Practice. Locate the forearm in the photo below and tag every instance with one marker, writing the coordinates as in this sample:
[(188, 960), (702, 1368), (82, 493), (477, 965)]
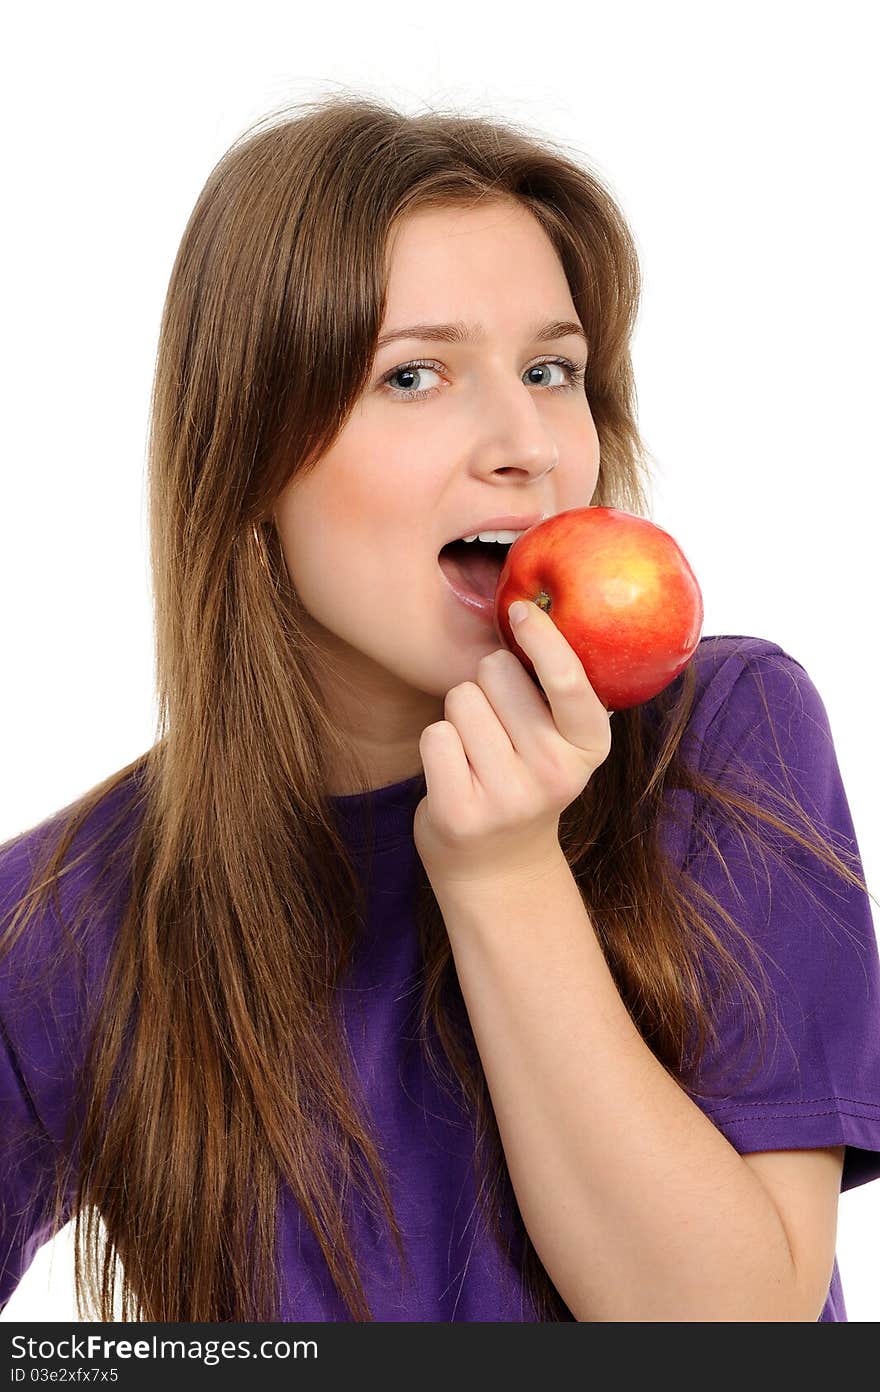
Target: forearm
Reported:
[(638, 1207)]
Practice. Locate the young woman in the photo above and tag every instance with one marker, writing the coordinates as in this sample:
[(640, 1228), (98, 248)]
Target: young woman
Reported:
[(383, 986)]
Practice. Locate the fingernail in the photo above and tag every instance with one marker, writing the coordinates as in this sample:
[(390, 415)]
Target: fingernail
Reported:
[(518, 611)]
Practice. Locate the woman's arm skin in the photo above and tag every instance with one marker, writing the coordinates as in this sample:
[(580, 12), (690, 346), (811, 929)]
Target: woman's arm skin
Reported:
[(639, 1208)]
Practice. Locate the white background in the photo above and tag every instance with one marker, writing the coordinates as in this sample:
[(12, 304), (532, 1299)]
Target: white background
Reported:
[(740, 141)]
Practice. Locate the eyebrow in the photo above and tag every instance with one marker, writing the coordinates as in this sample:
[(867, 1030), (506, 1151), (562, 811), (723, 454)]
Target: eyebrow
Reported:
[(459, 332)]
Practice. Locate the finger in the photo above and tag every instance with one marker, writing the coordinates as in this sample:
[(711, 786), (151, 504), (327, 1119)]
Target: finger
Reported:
[(518, 703), (484, 738), (448, 778), (579, 715)]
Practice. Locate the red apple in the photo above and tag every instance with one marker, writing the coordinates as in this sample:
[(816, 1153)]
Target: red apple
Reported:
[(620, 591)]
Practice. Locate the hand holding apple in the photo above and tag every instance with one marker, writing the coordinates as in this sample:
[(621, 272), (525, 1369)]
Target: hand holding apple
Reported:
[(618, 588)]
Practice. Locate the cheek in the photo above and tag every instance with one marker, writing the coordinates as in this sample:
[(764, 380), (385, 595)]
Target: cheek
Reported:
[(354, 546), (590, 438), (354, 579), (589, 452)]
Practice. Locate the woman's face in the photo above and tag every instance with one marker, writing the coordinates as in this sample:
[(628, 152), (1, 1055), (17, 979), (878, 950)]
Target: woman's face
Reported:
[(484, 435)]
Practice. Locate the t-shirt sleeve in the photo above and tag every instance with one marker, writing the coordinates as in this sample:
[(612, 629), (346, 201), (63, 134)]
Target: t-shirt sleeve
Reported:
[(817, 1082), (27, 1173), (33, 1091), (51, 997)]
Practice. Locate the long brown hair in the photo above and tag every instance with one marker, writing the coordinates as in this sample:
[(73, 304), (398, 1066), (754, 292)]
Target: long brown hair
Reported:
[(216, 1063)]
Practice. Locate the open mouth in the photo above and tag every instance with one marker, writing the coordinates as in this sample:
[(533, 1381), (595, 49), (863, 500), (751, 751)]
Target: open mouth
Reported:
[(473, 567)]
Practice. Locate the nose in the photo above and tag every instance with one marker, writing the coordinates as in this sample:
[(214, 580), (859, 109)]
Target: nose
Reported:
[(513, 438)]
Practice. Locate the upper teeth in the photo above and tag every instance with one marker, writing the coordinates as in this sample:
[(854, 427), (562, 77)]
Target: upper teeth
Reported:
[(505, 537)]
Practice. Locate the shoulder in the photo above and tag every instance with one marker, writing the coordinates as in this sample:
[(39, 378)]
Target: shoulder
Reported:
[(752, 697), (97, 844), (756, 721), (55, 935), (55, 947), (733, 668)]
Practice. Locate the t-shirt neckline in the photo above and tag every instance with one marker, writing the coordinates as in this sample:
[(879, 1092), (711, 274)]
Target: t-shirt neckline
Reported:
[(393, 807)]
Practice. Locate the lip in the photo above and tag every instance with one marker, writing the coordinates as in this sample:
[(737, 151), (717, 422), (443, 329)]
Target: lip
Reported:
[(484, 608), (508, 523)]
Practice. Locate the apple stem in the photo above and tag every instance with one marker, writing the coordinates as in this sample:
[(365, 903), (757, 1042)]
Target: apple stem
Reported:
[(543, 601)]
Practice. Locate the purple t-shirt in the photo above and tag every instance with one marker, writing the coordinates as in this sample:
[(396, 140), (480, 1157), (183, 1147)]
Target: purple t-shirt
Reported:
[(819, 1085)]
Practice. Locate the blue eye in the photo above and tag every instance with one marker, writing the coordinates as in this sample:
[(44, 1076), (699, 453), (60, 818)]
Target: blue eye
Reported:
[(413, 369), (576, 377)]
